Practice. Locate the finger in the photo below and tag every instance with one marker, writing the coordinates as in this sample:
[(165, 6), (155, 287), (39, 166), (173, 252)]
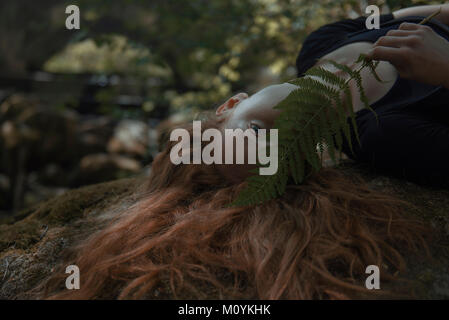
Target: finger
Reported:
[(409, 26), (399, 33), (392, 55), (393, 42), (388, 42)]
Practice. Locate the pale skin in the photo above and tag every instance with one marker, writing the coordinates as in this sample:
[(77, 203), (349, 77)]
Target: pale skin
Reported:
[(416, 52), (245, 112), (412, 51)]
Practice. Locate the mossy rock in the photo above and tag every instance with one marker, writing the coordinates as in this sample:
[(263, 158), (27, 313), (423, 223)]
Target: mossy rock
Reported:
[(33, 242)]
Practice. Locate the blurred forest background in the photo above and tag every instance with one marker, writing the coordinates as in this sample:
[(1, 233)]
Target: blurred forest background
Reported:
[(85, 106)]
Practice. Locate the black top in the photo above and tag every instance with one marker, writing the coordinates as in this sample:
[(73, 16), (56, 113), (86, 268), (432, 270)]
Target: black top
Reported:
[(335, 35), (409, 133), (332, 36)]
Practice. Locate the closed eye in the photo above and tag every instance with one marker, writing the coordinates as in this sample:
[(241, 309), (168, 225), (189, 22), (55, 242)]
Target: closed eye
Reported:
[(255, 127)]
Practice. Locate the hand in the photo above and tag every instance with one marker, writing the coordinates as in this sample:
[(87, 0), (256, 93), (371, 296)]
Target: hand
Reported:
[(417, 52)]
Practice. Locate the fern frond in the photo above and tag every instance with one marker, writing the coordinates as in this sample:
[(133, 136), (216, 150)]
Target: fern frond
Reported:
[(313, 116)]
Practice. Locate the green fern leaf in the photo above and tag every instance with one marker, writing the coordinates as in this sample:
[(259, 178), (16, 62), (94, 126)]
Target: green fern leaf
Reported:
[(313, 116)]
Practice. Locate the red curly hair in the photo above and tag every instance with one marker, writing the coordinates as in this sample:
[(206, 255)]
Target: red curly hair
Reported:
[(182, 239)]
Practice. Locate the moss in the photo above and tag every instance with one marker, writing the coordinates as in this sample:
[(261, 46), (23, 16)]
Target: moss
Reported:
[(21, 235), (27, 228), (431, 203), (77, 203), (32, 250), (18, 216)]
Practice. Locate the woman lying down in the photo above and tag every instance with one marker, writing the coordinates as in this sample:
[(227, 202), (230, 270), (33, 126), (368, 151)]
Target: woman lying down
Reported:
[(182, 239)]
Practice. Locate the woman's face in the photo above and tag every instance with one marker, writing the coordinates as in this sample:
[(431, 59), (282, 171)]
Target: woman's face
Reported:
[(250, 112), (256, 111)]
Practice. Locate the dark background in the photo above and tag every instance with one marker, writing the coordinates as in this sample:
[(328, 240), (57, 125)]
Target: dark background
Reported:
[(84, 106)]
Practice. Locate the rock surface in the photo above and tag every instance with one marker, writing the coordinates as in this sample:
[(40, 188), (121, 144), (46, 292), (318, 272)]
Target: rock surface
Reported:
[(32, 242)]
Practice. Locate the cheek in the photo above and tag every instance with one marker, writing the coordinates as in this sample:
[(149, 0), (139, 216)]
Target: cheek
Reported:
[(239, 146), (234, 172), (271, 115), (235, 121)]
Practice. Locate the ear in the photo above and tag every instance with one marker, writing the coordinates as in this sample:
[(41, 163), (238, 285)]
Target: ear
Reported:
[(230, 103)]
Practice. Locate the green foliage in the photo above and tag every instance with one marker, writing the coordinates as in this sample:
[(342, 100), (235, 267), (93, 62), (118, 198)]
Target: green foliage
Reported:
[(186, 55), (312, 117)]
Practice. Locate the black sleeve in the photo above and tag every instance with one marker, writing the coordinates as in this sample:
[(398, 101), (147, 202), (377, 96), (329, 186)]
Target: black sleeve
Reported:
[(410, 144), (319, 41)]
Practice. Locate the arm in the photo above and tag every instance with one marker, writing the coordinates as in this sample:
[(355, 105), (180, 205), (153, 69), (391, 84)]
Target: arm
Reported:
[(425, 11)]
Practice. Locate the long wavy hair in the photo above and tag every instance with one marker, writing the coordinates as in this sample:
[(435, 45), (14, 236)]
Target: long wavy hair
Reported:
[(183, 240)]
